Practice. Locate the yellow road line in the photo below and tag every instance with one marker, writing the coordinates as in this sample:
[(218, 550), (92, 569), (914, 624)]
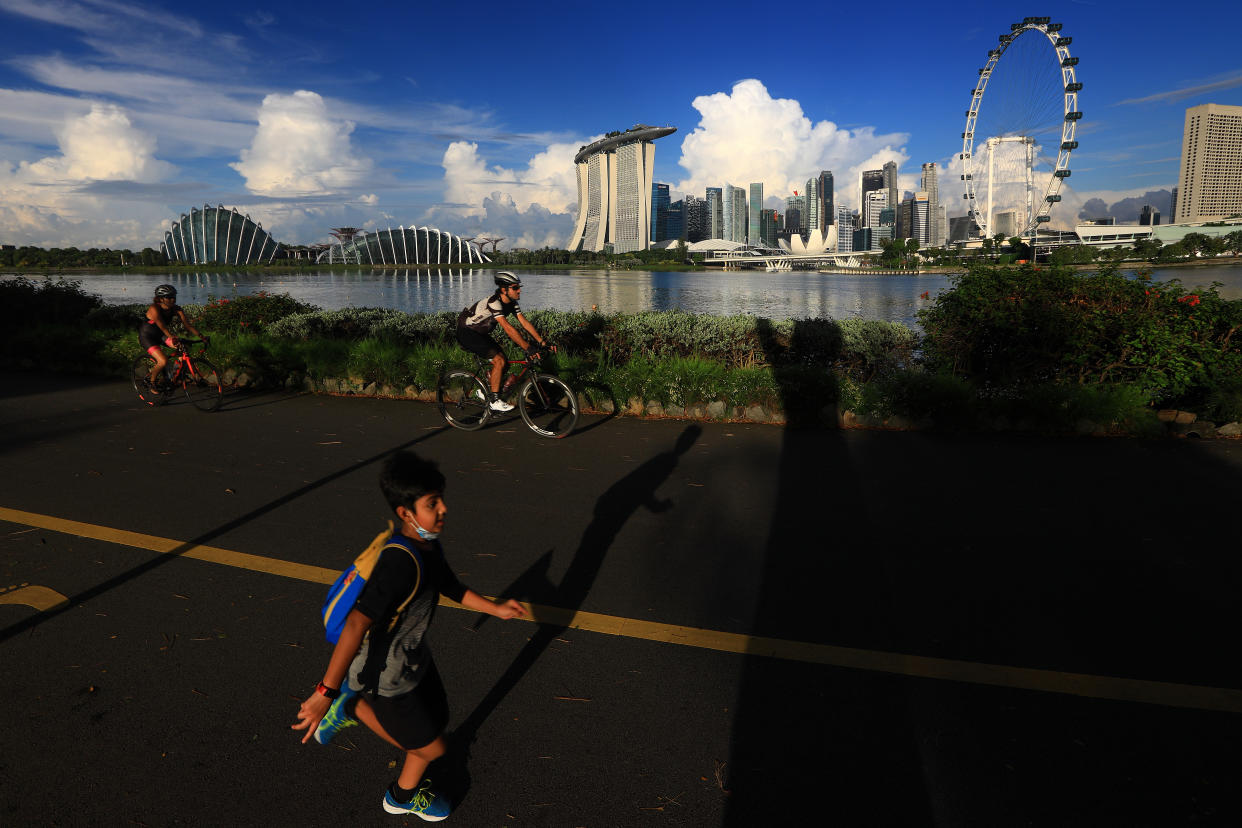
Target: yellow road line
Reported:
[(996, 675)]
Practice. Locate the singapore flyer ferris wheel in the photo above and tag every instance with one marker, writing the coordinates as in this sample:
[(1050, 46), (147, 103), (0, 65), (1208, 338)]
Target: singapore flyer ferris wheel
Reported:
[(1016, 147)]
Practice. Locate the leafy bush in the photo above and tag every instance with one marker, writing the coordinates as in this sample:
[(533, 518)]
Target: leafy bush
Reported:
[(870, 347), (1006, 328), (362, 323), (25, 302), (116, 317), (253, 312), (915, 394)]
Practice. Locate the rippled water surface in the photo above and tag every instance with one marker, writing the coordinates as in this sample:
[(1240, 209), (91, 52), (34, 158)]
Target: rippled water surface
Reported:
[(800, 294)]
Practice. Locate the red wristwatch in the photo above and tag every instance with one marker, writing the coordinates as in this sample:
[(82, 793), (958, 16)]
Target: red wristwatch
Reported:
[(324, 690)]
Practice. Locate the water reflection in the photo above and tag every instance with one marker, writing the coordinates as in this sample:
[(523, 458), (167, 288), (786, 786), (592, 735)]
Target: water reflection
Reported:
[(796, 295)]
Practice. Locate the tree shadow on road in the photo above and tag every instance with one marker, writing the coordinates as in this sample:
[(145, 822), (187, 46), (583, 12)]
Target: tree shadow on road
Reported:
[(561, 601), (1074, 554), (83, 597)]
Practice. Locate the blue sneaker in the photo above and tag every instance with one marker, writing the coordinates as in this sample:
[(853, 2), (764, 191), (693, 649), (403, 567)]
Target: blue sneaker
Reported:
[(336, 719), (426, 804)]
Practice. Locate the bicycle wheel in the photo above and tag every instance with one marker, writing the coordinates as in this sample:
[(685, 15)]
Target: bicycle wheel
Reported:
[(548, 405), (202, 385), (139, 374), (463, 400)]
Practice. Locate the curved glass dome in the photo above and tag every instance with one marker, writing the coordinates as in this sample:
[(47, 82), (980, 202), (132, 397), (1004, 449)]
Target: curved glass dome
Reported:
[(214, 234), (404, 245)]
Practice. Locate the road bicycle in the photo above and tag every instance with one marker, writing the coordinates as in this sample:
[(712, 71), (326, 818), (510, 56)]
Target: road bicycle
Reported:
[(545, 401), (192, 373)]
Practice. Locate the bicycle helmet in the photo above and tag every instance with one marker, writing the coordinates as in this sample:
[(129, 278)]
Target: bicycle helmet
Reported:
[(506, 279), (165, 290)]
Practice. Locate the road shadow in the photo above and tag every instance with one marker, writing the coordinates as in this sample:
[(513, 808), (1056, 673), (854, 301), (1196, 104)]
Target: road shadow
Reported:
[(561, 601), (1069, 555), (82, 598)]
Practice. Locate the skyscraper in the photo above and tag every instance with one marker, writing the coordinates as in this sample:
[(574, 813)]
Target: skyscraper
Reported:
[(659, 208), (930, 186), (754, 235), (796, 205), (734, 214), (715, 213), (1210, 185), (695, 212), (1149, 216), (868, 182), (922, 218), (812, 215), (614, 190), (890, 182), (827, 210), (768, 222), (675, 221), (877, 201), (844, 227)]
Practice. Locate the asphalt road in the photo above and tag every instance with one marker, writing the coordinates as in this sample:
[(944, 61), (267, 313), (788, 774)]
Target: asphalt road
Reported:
[(875, 628)]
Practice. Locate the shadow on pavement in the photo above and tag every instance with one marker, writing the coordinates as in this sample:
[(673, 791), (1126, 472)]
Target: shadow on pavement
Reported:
[(613, 508), (1074, 555), (77, 600)]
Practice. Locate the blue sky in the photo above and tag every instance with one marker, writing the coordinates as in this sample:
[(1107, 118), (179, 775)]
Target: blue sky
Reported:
[(117, 116)]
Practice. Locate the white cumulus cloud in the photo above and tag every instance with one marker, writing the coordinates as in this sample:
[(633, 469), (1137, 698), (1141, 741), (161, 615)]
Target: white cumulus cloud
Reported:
[(548, 180), (746, 136), (101, 145), (300, 149), (42, 203)]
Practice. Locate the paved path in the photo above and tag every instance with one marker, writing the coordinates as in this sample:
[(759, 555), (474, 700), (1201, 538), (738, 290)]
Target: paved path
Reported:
[(738, 623)]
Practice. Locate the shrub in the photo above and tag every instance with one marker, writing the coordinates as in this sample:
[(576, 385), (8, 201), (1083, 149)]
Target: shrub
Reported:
[(917, 395), (253, 312), (24, 301), (1007, 328), (116, 317)]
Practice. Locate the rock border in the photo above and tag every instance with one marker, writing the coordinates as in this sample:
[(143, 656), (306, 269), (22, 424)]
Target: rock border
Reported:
[(1177, 423)]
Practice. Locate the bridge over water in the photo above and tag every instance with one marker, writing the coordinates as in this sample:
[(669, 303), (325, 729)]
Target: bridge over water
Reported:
[(752, 259)]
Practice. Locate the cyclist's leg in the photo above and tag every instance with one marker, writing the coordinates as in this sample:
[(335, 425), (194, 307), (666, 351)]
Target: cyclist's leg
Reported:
[(484, 347), (157, 354), (498, 371)]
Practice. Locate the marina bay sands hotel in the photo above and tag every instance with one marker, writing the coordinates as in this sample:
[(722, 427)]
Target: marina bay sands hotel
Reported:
[(615, 175)]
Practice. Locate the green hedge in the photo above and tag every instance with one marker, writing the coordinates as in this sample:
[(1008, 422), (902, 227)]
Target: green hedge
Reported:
[(1045, 347)]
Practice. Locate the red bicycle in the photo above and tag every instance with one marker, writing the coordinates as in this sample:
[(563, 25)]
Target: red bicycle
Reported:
[(192, 373)]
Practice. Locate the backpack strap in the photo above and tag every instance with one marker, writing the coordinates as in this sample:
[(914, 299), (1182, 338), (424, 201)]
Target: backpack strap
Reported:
[(396, 541)]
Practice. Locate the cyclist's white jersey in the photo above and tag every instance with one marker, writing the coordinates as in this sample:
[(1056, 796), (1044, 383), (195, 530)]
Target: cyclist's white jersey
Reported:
[(482, 315)]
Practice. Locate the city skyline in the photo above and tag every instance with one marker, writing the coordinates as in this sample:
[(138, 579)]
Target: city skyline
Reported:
[(115, 119)]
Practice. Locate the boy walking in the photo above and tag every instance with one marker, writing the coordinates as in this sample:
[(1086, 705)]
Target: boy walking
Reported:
[(381, 672)]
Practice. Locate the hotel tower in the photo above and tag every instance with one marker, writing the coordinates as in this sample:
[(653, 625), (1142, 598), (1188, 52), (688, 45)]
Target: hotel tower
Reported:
[(614, 190), (1210, 185)]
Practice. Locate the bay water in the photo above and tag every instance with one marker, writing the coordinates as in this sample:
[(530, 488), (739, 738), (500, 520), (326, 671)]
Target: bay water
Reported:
[(793, 295)]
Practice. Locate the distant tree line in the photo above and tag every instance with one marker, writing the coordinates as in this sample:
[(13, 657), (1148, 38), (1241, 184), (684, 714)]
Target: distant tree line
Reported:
[(12, 256), (556, 256)]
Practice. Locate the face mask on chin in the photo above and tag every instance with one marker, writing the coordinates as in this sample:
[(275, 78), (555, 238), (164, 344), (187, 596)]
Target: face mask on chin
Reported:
[(423, 533)]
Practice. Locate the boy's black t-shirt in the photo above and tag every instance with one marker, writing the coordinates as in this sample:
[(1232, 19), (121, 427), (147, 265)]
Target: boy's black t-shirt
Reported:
[(392, 662)]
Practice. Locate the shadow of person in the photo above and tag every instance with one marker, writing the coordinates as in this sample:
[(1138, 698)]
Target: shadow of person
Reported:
[(556, 604)]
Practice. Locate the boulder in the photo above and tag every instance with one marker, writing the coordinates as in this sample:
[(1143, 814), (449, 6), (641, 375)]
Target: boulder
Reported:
[(1201, 429)]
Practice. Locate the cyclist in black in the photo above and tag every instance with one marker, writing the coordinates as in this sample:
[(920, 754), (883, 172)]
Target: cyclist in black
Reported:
[(154, 331), (476, 323)]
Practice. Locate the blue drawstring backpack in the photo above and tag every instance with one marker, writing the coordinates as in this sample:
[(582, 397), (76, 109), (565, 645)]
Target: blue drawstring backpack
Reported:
[(344, 592)]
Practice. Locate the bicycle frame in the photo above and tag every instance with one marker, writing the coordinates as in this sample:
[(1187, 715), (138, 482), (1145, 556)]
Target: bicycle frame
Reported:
[(185, 362)]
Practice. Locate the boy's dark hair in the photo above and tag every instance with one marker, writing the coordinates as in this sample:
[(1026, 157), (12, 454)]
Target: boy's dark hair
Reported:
[(406, 477)]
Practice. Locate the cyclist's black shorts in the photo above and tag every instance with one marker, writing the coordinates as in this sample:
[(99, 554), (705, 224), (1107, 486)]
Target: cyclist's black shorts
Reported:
[(476, 343), (149, 336)]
